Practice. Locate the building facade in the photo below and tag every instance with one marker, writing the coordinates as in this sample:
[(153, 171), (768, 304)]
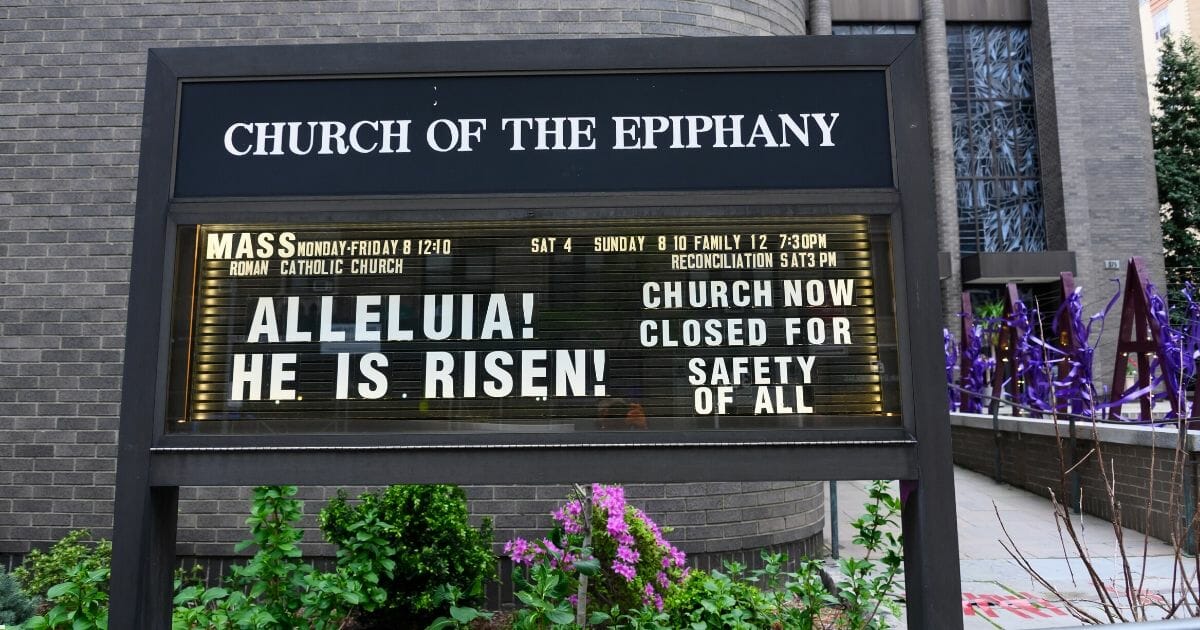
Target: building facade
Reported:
[(1161, 19), (1048, 155)]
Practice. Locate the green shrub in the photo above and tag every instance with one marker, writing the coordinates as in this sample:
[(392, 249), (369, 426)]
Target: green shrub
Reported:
[(544, 591), (15, 606), (80, 602), (416, 539), (42, 570), (275, 589), (717, 600)]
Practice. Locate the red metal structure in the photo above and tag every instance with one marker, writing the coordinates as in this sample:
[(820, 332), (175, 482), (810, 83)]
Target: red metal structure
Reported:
[(1006, 355), (1138, 335)]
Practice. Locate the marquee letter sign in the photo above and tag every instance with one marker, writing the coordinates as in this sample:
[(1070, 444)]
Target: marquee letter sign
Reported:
[(539, 326)]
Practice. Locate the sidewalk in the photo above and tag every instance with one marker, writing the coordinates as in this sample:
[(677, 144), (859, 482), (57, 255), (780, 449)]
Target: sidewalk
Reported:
[(997, 592)]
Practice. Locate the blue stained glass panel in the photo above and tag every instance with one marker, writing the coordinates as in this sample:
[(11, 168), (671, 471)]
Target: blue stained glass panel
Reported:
[(994, 127), (995, 138)]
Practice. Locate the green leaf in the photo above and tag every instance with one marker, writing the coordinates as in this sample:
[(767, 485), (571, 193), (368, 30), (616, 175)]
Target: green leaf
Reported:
[(588, 567), (58, 590), (463, 615), (186, 595), (599, 617), (562, 617), (213, 593), (57, 616)]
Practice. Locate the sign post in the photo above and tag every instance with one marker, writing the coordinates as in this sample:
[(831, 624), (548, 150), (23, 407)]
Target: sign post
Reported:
[(532, 262)]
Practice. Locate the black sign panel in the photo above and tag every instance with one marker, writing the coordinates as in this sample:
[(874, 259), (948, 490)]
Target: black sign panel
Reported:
[(535, 134), (626, 341), (687, 324)]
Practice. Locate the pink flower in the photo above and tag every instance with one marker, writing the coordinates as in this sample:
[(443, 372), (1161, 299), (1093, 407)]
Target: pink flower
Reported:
[(624, 570), (520, 551), (677, 557), (568, 517)]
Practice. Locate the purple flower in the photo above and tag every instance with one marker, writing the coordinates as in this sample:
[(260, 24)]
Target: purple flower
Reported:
[(612, 519), (674, 557), (520, 551), (624, 570), (568, 517)]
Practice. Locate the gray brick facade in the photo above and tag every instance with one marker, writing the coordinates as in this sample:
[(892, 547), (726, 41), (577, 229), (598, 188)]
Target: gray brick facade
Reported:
[(1094, 136), (71, 78)]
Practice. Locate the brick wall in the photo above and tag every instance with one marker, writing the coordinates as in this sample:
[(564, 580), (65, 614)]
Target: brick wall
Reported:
[(1145, 490), (71, 78), (1095, 149), (711, 521)]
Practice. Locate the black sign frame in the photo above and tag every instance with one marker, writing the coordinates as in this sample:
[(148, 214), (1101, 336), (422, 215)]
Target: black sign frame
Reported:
[(152, 464)]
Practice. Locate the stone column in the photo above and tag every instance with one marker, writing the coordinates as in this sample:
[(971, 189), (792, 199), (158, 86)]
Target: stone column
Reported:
[(820, 21), (937, 78)]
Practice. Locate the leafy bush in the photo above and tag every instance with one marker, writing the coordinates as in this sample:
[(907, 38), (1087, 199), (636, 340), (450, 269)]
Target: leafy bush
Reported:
[(867, 587), (416, 539), (80, 602), (545, 592), (797, 599), (42, 570), (779, 599), (460, 616), (15, 606), (717, 600), (275, 588)]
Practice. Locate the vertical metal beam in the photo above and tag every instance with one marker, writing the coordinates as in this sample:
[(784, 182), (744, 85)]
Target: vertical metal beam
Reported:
[(929, 519), (158, 563), (997, 442), (834, 522), (966, 327), (144, 518)]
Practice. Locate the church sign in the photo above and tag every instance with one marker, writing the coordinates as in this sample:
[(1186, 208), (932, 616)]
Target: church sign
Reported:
[(531, 262)]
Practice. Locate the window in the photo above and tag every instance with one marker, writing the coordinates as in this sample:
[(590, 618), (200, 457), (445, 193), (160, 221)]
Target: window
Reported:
[(875, 29), (995, 133), (1162, 24), (995, 139)]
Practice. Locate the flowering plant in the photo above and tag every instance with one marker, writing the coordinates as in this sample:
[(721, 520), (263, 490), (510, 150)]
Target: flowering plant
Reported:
[(601, 537)]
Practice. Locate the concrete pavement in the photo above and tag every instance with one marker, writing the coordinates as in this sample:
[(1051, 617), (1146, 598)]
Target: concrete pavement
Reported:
[(997, 591)]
